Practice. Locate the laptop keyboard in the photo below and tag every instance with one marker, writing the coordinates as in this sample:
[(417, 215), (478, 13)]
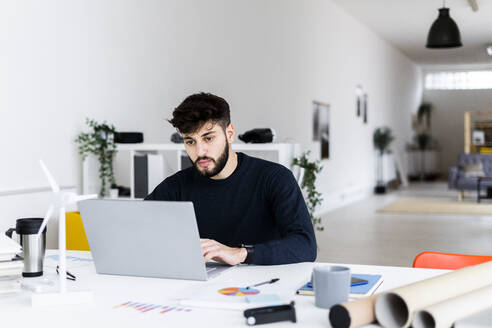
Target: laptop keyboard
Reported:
[(214, 269)]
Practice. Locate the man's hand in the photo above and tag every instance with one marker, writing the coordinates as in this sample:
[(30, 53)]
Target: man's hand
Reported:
[(213, 250)]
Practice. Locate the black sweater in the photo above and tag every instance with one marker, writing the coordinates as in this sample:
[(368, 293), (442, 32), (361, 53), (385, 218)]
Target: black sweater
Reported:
[(259, 204)]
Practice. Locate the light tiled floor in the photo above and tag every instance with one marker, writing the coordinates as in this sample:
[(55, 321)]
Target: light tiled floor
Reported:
[(357, 234)]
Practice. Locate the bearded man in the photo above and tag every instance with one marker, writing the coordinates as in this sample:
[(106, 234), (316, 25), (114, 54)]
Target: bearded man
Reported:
[(248, 210)]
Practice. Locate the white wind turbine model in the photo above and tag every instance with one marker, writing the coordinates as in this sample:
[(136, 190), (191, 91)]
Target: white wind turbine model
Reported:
[(60, 200)]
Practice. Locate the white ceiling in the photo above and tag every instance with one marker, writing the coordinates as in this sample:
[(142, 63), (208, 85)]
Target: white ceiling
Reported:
[(405, 24)]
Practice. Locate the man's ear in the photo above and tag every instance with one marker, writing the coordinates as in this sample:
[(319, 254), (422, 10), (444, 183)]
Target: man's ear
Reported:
[(230, 133)]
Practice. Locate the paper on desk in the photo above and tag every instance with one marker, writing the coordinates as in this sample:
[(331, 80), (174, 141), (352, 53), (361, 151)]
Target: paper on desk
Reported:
[(207, 295), (396, 307), (444, 314), (9, 246), (72, 261)]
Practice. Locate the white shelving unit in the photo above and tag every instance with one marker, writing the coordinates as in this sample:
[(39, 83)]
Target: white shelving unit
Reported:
[(282, 153)]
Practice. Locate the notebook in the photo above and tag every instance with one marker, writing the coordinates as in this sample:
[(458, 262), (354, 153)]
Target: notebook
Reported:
[(373, 282)]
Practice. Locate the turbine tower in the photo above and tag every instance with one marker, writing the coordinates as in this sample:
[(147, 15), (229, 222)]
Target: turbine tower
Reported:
[(60, 200)]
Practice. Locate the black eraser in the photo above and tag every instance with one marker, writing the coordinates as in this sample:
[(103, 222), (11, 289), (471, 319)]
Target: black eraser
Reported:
[(269, 314)]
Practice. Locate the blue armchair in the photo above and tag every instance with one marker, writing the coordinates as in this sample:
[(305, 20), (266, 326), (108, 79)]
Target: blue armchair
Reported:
[(465, 175)]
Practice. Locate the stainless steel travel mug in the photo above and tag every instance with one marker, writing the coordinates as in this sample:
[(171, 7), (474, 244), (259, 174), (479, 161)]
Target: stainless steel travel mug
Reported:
[(33, 246)]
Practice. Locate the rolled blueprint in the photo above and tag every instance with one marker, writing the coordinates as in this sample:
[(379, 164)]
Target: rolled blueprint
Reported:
[(444, 314), (396, 307), (353, 314)]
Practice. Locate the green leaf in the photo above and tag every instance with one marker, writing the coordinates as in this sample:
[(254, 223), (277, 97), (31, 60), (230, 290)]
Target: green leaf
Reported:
[(314, 199), (99, 142)]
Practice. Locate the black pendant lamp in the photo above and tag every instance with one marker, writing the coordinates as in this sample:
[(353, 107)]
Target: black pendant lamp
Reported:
[(444, 33)]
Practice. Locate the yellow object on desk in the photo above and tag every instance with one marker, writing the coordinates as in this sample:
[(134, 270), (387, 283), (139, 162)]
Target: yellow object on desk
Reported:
[(76, 238)]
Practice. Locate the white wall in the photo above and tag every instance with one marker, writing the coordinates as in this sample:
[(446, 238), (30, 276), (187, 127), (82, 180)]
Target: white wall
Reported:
[(449, 107), (131, 62), (344, 53)]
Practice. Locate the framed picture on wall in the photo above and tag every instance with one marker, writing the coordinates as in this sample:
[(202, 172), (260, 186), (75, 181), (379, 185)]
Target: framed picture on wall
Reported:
[(321, 127), (478, 137), (316, 132), (359, 99), (365, 108)]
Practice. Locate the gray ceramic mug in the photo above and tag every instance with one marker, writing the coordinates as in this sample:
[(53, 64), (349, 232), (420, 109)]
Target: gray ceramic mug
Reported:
[(331, 285)]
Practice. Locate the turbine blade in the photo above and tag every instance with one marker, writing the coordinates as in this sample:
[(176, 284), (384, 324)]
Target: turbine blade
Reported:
[(50, 178), (45, 220), (84, 197)]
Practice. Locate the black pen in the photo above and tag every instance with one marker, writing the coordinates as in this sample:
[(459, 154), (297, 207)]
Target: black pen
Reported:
[(264, 283), (69, 275)]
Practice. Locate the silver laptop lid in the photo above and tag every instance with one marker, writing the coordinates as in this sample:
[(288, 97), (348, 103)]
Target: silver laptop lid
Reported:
[(144, 238)]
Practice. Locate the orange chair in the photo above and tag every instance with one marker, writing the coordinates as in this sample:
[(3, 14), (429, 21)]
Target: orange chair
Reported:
[(435, 260)]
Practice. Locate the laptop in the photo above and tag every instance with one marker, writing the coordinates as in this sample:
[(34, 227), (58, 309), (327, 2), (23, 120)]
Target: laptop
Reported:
[(146, 238)]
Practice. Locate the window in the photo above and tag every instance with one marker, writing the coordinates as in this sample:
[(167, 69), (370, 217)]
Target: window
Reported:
[(466, 80)]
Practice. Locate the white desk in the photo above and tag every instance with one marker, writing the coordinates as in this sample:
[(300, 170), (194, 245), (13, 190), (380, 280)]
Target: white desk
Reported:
[(113, 290)]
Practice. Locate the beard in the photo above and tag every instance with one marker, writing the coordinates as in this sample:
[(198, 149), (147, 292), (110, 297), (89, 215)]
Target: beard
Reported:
[(219, 163)]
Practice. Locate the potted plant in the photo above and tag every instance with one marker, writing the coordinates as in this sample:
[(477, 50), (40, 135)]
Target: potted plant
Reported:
[(114, 191), (313, 198), (423, 137), (382, 138), (100, 142), (424, 113), (423, 141)]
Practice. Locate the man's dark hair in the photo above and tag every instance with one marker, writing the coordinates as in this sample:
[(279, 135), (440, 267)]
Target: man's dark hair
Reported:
[(199, 108)]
